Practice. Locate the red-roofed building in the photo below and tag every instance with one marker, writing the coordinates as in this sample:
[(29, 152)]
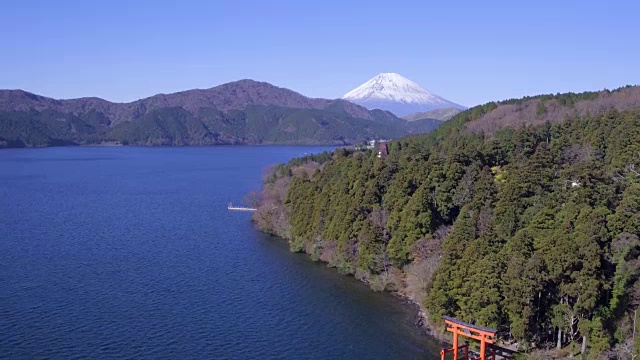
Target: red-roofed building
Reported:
[(383, 151)]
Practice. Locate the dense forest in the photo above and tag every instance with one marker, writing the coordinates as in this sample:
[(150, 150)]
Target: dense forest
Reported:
[(532, 230)]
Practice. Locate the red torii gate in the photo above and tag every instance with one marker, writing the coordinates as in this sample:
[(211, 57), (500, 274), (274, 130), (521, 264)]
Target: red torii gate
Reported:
[(483, 334)]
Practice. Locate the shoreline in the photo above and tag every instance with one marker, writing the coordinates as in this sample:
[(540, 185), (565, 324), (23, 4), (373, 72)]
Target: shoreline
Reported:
[(119, 144), (420, 320)]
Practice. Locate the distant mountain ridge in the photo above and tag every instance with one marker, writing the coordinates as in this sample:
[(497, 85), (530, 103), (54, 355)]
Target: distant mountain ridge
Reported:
[(241, 112), (393, 92), (437, 114), (230, 96)]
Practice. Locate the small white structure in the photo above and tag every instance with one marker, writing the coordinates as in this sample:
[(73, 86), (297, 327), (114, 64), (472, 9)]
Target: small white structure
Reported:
[(240, 208), (572, 183)]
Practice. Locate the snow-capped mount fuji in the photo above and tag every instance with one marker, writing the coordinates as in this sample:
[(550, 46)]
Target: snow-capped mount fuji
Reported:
[(396, 93)]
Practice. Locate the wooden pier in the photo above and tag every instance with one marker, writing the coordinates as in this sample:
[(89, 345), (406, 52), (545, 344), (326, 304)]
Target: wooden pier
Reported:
[(239, 208)]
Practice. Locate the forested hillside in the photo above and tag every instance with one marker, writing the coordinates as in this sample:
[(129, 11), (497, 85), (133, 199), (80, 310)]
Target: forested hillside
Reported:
[(242, 112), (532, 230)]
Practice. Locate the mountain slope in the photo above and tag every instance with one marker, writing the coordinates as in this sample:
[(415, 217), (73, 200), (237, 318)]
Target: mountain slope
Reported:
[(231, 96), (241, 112), (423, 126), (438, 114), (538, 110), (395, 93)]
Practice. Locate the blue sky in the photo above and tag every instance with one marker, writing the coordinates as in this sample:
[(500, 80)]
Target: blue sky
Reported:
[(469, 52)]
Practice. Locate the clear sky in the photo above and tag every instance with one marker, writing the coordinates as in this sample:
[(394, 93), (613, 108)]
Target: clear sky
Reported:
[(469, 52)]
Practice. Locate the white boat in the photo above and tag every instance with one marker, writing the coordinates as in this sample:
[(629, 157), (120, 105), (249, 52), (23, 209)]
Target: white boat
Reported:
[(240, 208)]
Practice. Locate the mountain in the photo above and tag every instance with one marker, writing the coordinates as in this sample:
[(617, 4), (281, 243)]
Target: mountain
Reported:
[(438, 114), (422, 126), (241, 112), (393, 92)]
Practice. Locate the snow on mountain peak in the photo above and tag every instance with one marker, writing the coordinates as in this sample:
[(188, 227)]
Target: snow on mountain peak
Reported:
[(396, 93), (393, 87)]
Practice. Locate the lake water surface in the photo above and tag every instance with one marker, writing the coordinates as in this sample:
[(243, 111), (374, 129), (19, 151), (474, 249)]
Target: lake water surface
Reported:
[(130, 252)]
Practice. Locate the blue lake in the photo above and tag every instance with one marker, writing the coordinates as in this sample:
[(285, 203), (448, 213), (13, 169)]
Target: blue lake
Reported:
[(129, 252)]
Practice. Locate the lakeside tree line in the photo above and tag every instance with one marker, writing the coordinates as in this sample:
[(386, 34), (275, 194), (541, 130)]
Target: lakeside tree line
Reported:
[(533, 231)]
